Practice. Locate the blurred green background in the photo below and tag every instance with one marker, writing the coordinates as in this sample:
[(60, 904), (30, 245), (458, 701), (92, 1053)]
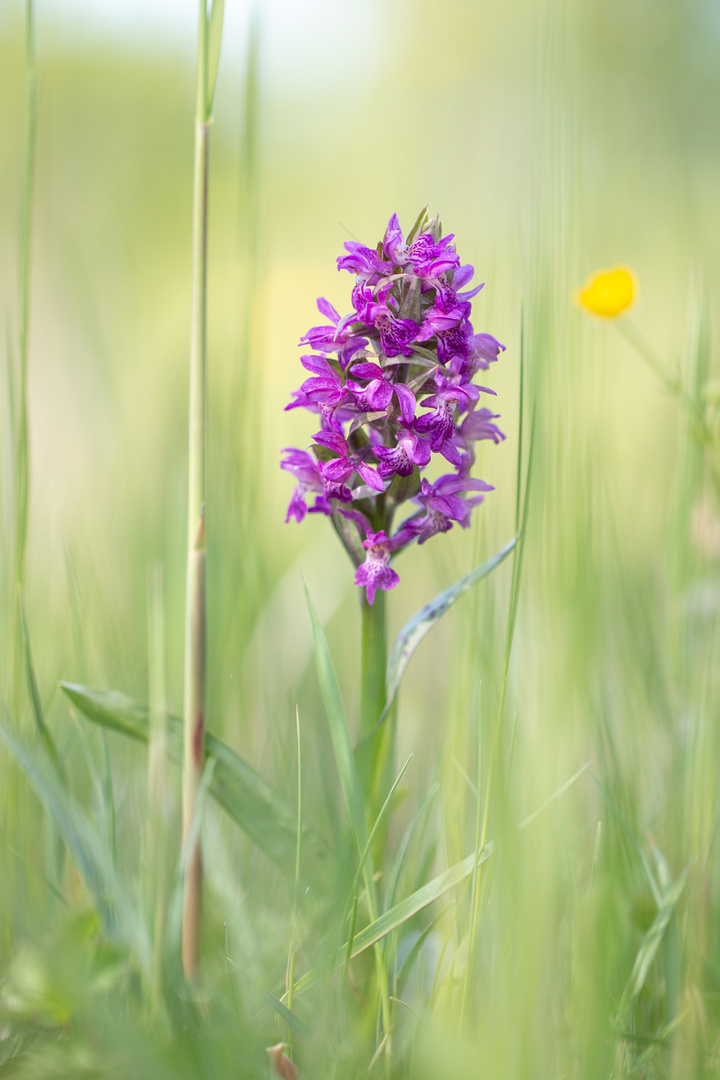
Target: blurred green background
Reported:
[(556, 137)]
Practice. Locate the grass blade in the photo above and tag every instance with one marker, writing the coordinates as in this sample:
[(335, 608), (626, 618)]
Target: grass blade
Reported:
[(350, 783), (366, 851), (339, 732), (405, 910), (416, 628), (113, 902), (651, 942), (422, 898), (290, 1018), (256, 806), (33, 692), (214, 41)]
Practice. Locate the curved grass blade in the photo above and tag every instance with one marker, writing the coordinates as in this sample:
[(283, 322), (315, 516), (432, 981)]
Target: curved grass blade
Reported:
[(290, 1018), (365, 852), (415, 903), (405, 910), (257, 807), (33, 692), (416, 628), (651, 942), (114, 904)]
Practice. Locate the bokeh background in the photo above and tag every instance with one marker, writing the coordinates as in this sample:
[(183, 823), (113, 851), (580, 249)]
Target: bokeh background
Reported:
[(556, 137)]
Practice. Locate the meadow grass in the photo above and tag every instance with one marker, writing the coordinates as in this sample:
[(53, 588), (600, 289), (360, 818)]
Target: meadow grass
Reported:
[(538, 893)]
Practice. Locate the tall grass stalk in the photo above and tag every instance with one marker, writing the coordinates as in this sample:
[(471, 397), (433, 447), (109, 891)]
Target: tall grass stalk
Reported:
[(156, 875), (521, 511), (20, 406), (196, 598), (298, 852)]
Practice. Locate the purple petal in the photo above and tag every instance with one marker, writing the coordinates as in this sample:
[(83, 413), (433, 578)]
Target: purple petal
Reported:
[(374, 575), (333, 441), (297, 508), (370, 476), (407, 401), (367, 371), (378, 394), (462, 276), (326, 308), (318, 364)]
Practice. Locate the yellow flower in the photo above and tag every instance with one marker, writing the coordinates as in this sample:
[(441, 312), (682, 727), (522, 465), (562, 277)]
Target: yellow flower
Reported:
[(609, 292)]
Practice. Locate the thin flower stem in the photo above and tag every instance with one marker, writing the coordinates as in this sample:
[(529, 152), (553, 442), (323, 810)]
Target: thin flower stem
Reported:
[(691, 403), (21, 428), (195, 610)]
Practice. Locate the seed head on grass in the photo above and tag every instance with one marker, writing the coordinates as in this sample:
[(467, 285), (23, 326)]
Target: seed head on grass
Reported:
[(408, 345)]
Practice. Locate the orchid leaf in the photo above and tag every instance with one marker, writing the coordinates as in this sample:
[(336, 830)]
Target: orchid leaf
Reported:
[(258, 808), (416, 628)]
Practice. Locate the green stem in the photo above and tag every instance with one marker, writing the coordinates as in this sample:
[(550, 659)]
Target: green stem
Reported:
[(375, 762), (373, 660), (195, 610), (377, 744), (21, 432)]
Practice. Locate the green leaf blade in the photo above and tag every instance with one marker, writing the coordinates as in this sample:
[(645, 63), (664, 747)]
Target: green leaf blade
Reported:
[(113, 902), (260, 810), (420, 625)]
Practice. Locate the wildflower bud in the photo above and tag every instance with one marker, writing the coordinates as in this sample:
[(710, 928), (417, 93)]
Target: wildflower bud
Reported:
[(284, 1067), (392, 385)]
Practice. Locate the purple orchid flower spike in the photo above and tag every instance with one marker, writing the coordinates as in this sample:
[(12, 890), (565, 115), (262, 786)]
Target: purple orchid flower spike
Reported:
[(407, 347)]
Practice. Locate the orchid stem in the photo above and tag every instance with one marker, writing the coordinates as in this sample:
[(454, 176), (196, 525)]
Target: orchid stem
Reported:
[(195, 609), (376, 753)]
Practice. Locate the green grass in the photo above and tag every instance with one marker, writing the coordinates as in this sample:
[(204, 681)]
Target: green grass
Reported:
[(541, 897)]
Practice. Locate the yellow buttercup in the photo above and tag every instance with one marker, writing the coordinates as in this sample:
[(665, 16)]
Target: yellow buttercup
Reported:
[(609, 292)]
